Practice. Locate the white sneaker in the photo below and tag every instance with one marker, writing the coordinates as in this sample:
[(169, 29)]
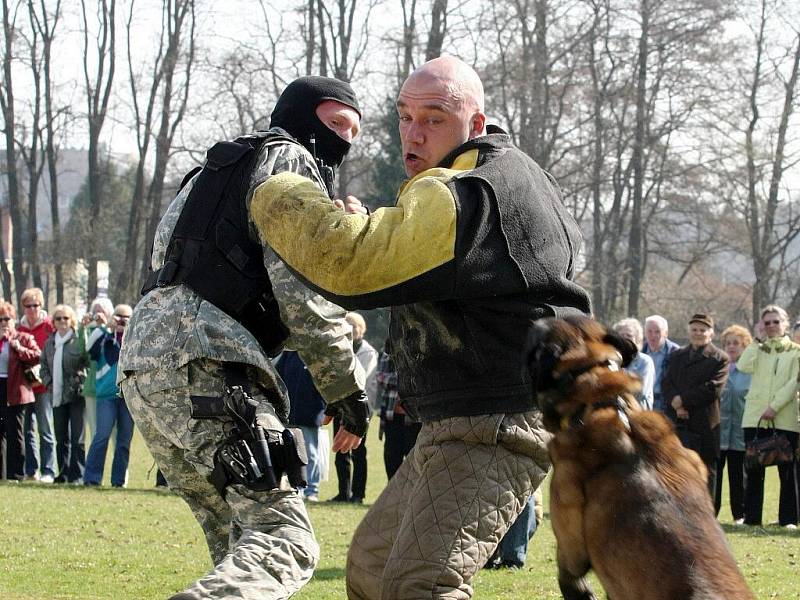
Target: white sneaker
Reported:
[(312, 498), (46, 479), (790, 526), (739, 522)]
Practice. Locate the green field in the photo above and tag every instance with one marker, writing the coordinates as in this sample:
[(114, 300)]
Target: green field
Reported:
[(62, 542)]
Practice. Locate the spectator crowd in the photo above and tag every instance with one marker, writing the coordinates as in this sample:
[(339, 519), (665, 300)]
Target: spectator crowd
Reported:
[(721, 398), (58, 391)]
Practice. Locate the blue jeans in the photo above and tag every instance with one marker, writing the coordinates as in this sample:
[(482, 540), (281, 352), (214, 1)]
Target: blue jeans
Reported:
[(513, 547), (313, 475), (109, 413), (40, 414)]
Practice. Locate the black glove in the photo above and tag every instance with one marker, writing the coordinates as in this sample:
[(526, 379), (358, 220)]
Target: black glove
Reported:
[(353, 411)]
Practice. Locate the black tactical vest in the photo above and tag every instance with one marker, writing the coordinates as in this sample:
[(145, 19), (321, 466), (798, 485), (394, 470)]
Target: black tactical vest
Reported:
[(211, 251)]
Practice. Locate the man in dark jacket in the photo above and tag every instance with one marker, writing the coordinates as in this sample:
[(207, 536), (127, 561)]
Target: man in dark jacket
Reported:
[(478, 246), (692, 386)]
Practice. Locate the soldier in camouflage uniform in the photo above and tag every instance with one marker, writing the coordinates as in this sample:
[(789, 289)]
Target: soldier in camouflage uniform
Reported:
[(178, 345)]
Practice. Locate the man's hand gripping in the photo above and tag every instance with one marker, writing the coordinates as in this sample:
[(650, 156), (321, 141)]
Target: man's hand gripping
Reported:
[(354, 413)]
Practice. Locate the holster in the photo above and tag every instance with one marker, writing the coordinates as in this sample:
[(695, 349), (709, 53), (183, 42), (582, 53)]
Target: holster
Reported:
[(251, 455)]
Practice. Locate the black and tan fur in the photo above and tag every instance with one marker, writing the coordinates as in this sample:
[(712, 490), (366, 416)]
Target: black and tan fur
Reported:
[(627, 500)]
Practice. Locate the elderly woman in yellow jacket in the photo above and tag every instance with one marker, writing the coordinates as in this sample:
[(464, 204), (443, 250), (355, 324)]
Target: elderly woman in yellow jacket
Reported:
[(772, 400)]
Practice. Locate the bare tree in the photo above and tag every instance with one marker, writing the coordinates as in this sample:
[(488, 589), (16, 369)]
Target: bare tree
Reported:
[(11, 166), (157, 117), (32, 151), (769, 239), (45, 21), (438, 29), (342, 44), (180, 32), (98, 86), (532, 73)]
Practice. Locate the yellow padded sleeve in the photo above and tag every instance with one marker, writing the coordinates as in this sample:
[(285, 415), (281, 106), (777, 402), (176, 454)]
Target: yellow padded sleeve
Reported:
[(351, 255)]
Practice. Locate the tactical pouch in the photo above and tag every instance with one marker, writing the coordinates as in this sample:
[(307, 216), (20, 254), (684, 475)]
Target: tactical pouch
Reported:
[(289, 456)]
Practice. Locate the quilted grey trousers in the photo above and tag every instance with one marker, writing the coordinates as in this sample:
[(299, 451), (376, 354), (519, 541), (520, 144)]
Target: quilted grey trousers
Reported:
[(445, 510), (261, 543)]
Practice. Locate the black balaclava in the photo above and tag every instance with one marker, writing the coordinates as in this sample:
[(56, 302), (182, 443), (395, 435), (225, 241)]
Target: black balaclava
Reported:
[(295, 112)]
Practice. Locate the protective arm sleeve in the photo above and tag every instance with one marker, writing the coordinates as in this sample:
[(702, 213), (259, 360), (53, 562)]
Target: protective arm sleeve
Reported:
[(397, 253)]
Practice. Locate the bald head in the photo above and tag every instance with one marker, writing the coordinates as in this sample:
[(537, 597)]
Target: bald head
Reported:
[(440, 107), (453, 75)]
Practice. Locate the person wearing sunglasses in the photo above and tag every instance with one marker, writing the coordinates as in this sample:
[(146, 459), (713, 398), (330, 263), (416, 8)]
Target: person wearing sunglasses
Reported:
[(40, 460), (18, 351), (63, 370), (774, 362), (104, 348)]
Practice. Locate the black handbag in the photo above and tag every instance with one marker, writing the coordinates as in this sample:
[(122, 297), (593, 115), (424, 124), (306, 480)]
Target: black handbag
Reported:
[(33, 374), (768, 450)]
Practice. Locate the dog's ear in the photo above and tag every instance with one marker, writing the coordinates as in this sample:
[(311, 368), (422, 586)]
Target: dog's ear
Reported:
[(543, 354), (625, 347)]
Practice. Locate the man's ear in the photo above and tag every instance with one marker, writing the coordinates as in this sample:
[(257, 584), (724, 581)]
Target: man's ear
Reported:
[(477, 125)]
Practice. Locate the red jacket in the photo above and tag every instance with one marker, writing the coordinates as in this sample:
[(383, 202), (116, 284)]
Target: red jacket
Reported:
[(20, 356), (40, 332)]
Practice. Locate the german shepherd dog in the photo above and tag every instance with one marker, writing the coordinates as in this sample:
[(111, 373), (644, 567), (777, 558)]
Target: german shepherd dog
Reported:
[(627, 499)]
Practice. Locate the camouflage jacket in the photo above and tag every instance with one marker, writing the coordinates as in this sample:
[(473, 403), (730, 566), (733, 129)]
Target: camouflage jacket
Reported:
[(172, 325)]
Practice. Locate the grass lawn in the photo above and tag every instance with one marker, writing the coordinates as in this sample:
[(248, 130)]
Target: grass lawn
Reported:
[(61, 542)]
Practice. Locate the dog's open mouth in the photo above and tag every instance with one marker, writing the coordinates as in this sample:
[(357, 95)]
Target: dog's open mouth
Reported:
[(576, 364)]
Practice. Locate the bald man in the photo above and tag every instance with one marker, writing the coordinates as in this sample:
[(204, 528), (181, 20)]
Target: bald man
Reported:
[(478, 246)]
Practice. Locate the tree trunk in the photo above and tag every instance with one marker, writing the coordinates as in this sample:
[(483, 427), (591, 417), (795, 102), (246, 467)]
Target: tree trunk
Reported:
[(760, 267), (597, 261), (12, 174), (171, 116), (47, 31), (635, 237), (438, 29), (98, 94)]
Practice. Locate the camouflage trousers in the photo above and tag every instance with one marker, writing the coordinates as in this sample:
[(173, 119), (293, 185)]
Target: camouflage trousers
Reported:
[(445, 510), (262, 543)]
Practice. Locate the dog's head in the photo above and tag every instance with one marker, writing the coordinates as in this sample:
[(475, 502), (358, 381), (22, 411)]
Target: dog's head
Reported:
[(574, 362)]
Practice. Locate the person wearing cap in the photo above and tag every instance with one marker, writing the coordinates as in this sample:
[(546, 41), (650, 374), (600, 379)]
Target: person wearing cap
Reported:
[(692, 386), (217, 304)]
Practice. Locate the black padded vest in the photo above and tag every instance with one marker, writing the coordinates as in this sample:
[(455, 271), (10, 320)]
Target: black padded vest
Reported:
[(211, 250)]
